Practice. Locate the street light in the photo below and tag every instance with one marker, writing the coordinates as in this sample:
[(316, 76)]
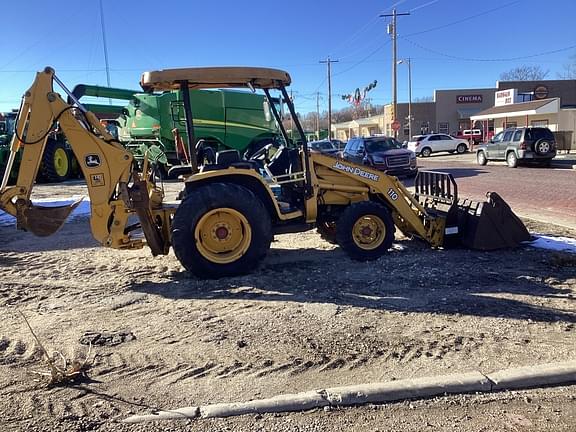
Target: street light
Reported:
[(409, 96)]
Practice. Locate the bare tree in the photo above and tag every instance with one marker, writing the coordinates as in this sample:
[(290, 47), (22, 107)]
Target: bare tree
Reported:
[(524, 73), (423, 99), (569, 69)]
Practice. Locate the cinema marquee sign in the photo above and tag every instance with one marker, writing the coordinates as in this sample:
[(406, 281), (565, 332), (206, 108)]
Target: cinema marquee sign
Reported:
[(468, 98)]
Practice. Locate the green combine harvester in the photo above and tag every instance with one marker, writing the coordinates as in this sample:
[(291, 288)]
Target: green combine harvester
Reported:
[(155, 122)]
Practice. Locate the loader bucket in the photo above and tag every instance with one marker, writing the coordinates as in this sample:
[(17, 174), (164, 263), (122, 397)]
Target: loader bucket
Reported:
[(486, 225), (490, 225), (43, 221)]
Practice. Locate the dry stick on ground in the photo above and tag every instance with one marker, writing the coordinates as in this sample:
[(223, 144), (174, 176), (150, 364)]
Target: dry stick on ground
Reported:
[(57, 374)]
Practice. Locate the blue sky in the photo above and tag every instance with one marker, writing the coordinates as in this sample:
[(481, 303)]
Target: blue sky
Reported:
[(452, 44)]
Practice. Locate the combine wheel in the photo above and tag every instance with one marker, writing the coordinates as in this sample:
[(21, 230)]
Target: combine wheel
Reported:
[(365, 230), (55, 166), (221, 230)]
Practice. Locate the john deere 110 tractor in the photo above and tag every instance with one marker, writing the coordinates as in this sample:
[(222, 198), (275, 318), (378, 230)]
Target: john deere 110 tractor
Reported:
[(231, 209)]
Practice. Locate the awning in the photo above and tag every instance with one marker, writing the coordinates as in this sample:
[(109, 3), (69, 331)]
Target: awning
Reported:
[(466, 113), (544, 106)]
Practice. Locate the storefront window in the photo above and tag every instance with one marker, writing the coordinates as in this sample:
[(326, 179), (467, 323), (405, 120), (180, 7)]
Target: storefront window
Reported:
[(540, 123), (511, 124), (443, 127)]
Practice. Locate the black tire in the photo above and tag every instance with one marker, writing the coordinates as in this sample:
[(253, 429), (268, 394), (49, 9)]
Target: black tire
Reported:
[(426, 152), (461, 148), (195, 255), (481, 158), (327, 231), (511, 160), (372, 212), (542, 147), (55, 165)]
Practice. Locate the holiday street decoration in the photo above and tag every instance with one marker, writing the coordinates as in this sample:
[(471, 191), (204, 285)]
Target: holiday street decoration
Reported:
[(357, 98)]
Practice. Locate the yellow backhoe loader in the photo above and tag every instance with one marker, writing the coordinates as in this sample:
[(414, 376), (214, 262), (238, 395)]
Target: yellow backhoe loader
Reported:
[(230, 210)]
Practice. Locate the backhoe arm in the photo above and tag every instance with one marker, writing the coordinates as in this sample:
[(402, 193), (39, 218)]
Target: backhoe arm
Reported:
[(106, 165)]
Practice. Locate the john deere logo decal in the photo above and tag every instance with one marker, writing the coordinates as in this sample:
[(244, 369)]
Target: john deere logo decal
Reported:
[(355, 171), (92, 160)]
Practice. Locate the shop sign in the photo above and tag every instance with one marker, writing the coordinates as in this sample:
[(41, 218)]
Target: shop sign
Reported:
[(541, 92), (468, 98), (505, 97)]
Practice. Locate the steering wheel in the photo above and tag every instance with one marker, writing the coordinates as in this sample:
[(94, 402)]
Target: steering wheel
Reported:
[(263, 151)]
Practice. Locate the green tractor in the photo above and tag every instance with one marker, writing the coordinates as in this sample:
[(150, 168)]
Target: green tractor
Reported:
[(58, 163)]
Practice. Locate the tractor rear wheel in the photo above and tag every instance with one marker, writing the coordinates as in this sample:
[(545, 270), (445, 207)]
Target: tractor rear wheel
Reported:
[(55, 166), (365, 230), (220, 230)]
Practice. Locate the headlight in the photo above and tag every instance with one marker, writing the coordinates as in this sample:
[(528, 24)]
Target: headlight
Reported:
[(378, 159)]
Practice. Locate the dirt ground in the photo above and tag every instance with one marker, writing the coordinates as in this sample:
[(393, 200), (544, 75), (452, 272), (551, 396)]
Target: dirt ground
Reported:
[(309, 318)]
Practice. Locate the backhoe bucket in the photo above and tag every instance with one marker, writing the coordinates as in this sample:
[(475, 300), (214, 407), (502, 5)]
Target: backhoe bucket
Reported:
[(486, 225), (490, 225), (43, 221)]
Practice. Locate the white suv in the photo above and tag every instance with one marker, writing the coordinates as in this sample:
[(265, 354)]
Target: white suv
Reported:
[(425, 145)]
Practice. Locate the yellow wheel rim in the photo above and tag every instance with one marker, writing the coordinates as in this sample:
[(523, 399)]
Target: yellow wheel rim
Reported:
[(61, 162), (369, 232), (223, 235)]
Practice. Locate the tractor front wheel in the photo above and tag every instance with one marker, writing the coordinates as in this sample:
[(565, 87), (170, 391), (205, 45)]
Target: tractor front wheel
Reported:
[(221, 230), (365, 230)]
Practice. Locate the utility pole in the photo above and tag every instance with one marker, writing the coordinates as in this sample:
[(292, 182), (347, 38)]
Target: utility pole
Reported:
[(329, 62), (318, 115), (393, 33), (409, 95)]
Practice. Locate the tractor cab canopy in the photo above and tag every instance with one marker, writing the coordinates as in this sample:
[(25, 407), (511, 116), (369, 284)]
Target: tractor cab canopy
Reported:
[(215, 77)]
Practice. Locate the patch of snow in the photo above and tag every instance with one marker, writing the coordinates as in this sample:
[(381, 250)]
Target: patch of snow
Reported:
[(564, 244)]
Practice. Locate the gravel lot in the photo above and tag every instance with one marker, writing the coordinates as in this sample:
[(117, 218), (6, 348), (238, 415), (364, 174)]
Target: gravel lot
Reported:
[(309, 318)]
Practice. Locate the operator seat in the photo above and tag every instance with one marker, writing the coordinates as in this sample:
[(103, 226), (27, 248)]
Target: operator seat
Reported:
[(285, 161), (229, 158)]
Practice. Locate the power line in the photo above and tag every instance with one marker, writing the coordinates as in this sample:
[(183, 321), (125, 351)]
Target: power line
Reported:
[(486, 59), (463, 19)]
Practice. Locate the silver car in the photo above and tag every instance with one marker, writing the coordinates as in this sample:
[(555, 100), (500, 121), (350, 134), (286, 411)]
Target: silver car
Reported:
[(425, 145)]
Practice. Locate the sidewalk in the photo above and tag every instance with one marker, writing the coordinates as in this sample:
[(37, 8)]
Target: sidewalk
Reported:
[(565, 160)]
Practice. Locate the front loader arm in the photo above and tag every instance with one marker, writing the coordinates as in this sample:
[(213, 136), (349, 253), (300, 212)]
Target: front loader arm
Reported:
[(106, 165)]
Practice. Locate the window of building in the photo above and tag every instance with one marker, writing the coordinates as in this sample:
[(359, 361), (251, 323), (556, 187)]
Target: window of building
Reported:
[(424, 128), (511, 125), (540, 123), (406, 129), (525, 97), (443, 127)]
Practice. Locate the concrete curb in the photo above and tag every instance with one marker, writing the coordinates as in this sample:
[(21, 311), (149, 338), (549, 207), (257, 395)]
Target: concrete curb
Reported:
[(514, 378), (543, 375)]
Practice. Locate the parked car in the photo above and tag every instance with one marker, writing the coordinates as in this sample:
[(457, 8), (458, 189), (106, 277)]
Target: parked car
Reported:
[(323, 146), (383, 153), (473, 136), (425, 145), (519, 144)]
